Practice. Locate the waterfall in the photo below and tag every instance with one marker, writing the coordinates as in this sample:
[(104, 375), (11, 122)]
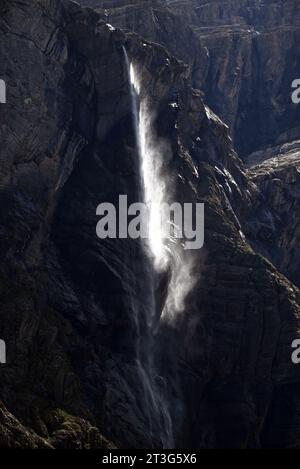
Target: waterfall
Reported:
[(167, 255), (153, 186), (155, 406)]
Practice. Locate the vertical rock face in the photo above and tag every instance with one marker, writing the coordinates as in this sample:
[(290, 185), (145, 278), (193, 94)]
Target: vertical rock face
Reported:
[(67, 96), (276, 234), (82, 359), (253, 61)]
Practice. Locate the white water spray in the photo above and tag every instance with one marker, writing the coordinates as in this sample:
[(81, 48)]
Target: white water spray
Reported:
[(155, 406), (153, 185), (167, 253)]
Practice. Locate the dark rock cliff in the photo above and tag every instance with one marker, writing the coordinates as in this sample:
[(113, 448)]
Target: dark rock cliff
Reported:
[(277, 234), (82, 359)]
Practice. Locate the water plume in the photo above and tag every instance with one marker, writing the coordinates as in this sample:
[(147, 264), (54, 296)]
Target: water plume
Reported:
[(168, 253)]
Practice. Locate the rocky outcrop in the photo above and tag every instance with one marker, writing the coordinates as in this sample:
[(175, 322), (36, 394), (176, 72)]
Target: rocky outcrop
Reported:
[(276, 231), (59, 430), (241, 54), (153, 20), (13, 435), (82, 359)]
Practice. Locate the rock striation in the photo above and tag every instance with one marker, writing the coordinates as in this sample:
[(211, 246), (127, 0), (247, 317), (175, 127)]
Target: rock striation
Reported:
[(84, 367), (277, 233)]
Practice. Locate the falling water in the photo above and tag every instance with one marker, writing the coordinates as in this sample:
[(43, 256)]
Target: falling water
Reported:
[(155, 405), (165, 254), (153, 186)]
